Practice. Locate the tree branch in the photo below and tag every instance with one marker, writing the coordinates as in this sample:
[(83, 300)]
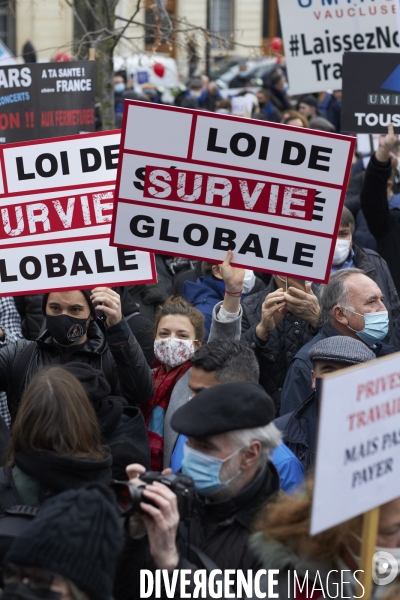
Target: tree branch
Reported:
[(128, 22)]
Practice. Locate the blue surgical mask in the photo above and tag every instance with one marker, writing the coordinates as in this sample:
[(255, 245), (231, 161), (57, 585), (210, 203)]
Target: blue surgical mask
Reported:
[(376, 326), (119, 87), (205, 470)]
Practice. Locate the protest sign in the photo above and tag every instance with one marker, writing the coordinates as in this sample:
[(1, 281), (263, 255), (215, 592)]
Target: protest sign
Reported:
[(270, 192), (57, 189), (56, 200), (42, 100), (317, 32), (41, 268), (358, 449), (371, 103)]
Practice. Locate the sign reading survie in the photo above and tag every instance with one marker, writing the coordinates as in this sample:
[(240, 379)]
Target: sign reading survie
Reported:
[(358, 450), (42, 100), (194, 184), (56, 201), (371, 103), (317, 32)]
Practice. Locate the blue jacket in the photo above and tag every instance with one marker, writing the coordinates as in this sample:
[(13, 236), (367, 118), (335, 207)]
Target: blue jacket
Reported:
[(204, 294), (290, 469), (297, 386)]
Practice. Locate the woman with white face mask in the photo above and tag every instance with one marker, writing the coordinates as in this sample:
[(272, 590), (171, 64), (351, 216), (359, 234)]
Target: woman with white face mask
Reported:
[(179, 332), (337, 550)]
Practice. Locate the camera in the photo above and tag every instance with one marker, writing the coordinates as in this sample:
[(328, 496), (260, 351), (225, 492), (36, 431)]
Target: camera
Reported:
[(130, 495)]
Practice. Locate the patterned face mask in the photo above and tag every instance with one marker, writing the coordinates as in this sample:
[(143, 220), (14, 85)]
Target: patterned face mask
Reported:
[(173, 351)]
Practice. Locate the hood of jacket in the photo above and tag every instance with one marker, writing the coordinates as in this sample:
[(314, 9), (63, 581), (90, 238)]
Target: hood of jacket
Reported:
[(59, 473)]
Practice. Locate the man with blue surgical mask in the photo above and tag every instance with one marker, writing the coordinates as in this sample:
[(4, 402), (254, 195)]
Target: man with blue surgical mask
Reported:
[(349, 255), (230, 439), (351, 305)]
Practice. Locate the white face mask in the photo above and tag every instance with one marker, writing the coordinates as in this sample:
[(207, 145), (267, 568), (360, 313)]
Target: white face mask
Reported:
[(342, 250), (249, 281), (173, 351), (195, 93)]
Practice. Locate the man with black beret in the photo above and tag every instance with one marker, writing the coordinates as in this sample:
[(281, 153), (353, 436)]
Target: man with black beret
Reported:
[(299, 427), (230, 439)]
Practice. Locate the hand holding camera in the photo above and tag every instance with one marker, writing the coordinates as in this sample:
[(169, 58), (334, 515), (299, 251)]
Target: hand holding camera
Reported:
[(152, 499)]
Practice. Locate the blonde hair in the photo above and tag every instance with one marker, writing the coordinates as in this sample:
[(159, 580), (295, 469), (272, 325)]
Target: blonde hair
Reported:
[(288, 521)]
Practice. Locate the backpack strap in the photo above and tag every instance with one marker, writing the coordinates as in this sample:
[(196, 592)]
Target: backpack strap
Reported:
[(18, 376)]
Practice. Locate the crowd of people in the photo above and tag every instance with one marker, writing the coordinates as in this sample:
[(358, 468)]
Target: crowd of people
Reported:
[(172, 427), (267, 99)]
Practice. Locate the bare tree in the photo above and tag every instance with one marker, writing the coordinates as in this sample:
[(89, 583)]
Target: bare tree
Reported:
[(96, 25)]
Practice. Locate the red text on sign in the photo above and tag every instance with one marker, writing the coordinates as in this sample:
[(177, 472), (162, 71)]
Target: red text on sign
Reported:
[(264, 197), (72, 212)]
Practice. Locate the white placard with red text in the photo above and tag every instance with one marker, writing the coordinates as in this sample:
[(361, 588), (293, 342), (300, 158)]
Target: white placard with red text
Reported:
[(195, 184), (60, 192), (358, 450)]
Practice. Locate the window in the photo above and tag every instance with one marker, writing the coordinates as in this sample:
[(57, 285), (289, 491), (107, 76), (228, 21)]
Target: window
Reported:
[(7, 23), (271, 23), (221, 22)]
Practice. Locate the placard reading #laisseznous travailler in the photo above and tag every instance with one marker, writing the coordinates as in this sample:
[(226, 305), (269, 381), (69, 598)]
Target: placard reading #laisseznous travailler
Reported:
[(358, 450), (56, 201), (316, 33), (196, 184)]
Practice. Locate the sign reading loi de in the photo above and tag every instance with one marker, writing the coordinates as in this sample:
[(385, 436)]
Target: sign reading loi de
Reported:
[(196, 184), (56, 199)]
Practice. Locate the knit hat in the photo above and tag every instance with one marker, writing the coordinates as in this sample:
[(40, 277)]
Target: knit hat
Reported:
[(341, 348), (310, 100), (76, 535), (86, 293)]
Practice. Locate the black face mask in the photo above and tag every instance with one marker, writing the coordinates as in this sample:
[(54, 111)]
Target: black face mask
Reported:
[(24, 592), (66, 330)]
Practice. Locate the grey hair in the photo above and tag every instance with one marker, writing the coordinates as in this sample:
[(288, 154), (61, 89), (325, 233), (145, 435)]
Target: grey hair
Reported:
[(335, 293), (269, 437)]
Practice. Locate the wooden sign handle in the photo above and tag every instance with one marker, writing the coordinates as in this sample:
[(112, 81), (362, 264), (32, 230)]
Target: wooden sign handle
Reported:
[(369, 535)]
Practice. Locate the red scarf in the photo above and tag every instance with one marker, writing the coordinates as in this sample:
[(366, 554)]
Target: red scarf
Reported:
[(164, 383)]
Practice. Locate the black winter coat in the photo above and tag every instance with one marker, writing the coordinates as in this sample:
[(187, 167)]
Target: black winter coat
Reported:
[(30, 311), (299, 430), (220, 530), (114, 351), (275, 354), (383, 223)]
